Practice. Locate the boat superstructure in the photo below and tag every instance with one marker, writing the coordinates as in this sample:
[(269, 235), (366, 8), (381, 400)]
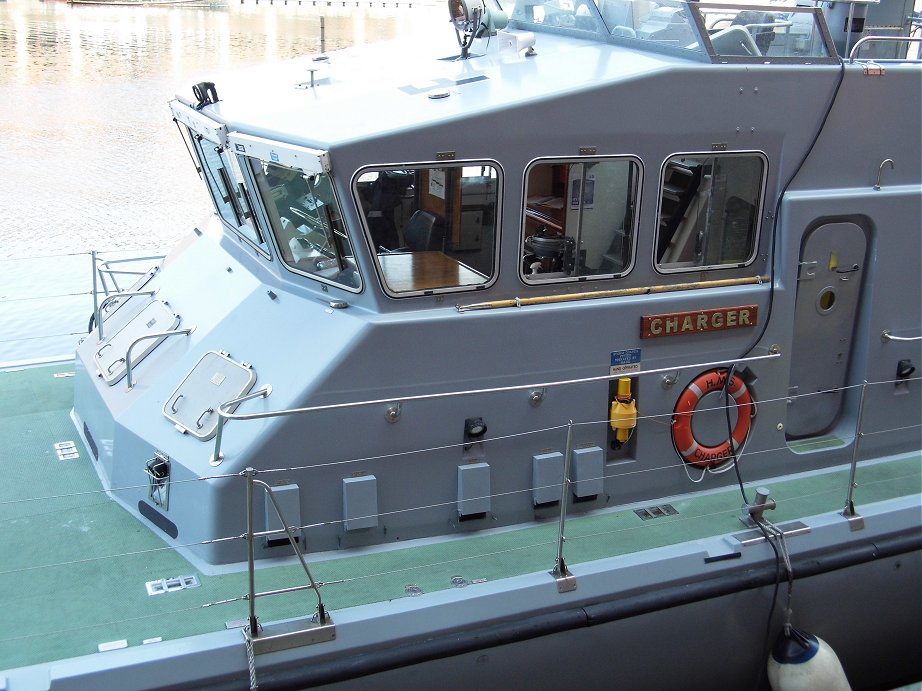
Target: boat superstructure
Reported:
[(642, 276)]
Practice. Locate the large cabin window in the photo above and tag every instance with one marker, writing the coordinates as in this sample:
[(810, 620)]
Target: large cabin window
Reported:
[(709, 212), (579, 219), (306, 222), (230, 194), (432, 227)]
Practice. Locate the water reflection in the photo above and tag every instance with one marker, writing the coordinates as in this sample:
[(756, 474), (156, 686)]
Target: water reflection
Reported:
[(84, 118), (90, 157)]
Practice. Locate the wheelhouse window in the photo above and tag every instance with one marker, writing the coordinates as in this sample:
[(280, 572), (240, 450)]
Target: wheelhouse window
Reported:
[(786, 34), (228, 190), (306, 222), (580, 216), (432, 227), (709, 211)]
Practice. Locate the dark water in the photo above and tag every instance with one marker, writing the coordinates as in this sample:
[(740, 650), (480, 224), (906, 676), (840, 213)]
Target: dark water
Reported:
[(90, 158)]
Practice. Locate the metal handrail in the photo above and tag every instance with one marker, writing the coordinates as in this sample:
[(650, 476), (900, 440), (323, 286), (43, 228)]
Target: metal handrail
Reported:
[(101, 269), (886, 337), (216, 459), (224, 414), (322, 617), (869, 39), (103, 266), (158, 334), (116, 296)]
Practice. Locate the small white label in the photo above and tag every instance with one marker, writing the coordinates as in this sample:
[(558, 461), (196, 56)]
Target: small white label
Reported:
[(112, 645)]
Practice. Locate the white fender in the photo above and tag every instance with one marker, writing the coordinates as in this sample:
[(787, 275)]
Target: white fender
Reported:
[(804, 662)]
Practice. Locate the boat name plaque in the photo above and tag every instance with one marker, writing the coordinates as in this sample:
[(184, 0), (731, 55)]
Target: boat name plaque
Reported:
[(698, 321)]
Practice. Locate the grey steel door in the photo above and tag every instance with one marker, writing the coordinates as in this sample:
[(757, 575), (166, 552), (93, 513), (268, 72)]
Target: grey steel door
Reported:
[(832, 262)]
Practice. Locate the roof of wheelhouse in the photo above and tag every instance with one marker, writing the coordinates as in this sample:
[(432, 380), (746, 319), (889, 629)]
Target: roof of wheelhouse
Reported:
[(362, 93)]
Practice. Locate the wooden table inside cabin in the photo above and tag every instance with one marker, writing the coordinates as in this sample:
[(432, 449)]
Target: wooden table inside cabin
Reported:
[(411, 271)]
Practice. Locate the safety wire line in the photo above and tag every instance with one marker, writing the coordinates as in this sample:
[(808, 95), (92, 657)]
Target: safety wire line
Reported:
[(19, 636), (395, 455), (365, 459), (482, 556), (725, 513), (86, 253), (121, 555), (671, 466), (659, 418), (729, 513), (399, 454), (155, 550), (50, 296), (38, 338)]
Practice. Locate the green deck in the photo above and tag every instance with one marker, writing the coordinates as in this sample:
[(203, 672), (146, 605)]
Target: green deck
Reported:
[(75, 564)]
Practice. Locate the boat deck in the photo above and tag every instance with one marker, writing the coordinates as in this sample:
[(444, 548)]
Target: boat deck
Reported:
[(75, 564)]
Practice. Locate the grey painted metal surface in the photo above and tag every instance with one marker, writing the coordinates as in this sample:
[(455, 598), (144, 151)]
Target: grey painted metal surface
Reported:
[(535, 355)]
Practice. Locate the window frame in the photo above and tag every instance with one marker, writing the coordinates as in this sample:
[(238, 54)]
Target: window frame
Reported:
[(757, 215), (636, 192), (388, 289), (246, 160), (198, 142)]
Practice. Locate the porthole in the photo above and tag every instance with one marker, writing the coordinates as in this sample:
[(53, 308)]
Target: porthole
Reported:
[(826, 300)]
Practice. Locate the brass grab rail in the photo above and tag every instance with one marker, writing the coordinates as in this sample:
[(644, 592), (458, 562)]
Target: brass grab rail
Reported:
[(621, 292)]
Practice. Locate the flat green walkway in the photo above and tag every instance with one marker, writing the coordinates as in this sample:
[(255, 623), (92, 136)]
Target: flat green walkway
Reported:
[(74, 564)]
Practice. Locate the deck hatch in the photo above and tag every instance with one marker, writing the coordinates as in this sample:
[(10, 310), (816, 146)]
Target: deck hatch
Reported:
[(215, 379), (111, 356)]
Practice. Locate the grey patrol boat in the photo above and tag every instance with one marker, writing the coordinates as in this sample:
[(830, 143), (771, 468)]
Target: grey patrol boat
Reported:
[(573, 343)]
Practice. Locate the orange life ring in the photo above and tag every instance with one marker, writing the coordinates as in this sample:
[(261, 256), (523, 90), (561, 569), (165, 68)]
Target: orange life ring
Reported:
[(682, 436)]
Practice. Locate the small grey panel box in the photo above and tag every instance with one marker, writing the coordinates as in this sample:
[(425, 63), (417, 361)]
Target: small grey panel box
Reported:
[(588, 469), (547, 474), (360, 502), (288, 498), (473, 488)]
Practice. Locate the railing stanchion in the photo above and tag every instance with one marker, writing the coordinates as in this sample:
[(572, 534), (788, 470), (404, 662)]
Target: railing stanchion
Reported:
[(565, 580), (855, 521), (250, 473), (95, 286)]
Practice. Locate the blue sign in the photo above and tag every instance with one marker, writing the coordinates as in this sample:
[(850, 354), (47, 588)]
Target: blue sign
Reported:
[(625, 361)]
